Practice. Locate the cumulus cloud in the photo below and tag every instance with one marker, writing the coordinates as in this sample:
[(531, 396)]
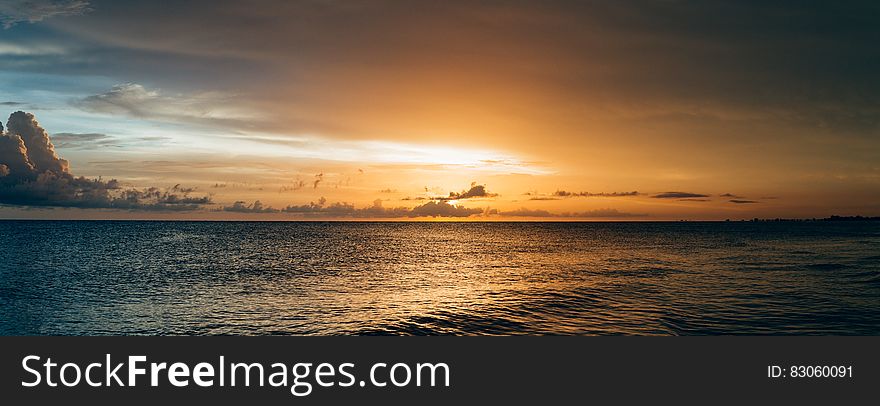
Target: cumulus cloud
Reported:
[(39, 149), (476, 191), (32, 174), (597, 213), (678, 195), (31, 11)]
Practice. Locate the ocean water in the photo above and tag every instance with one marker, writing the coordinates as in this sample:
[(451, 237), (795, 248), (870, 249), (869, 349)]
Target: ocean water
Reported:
[(258, 278)]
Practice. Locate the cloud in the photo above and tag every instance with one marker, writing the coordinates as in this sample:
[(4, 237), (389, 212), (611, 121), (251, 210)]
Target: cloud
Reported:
[(296, 185), (562, 193), (347, 210), (39, 150), (741, 201), (730, 195), (207, 108), (11, 103), (32, 174), (442, 209), (31, 11), (597, 213), (476, 191), (255, 207), (82, 140), (678, 195)]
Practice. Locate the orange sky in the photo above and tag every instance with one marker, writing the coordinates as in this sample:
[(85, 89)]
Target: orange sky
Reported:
[(559, 110)]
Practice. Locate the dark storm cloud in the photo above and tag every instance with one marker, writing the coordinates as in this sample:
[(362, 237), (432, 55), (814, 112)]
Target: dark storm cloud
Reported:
[(32, 174), (678, 195), (31, 11)]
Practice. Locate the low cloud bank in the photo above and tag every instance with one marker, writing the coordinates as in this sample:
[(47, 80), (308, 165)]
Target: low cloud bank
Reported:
[(597, 213), (347, 210), (563, 193), (32, 174)]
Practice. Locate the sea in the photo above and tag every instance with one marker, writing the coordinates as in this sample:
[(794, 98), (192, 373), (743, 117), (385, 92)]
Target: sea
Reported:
[(439, 278)]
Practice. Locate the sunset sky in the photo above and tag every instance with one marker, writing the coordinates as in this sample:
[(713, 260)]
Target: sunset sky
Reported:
[(497, 110)]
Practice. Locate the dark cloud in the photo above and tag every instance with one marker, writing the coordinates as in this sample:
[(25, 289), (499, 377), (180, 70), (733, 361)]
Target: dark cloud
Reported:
[(318, 179), (11, 104), (543, 198), (741, 201), (31, 11), (597, 213), (678, 195), (790, 58), (562, 193), (730, 195), (32, 174), (255, 207), (476, 191), (377, 210)]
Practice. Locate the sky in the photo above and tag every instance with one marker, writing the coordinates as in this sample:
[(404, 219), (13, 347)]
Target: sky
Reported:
[(458, 110)]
